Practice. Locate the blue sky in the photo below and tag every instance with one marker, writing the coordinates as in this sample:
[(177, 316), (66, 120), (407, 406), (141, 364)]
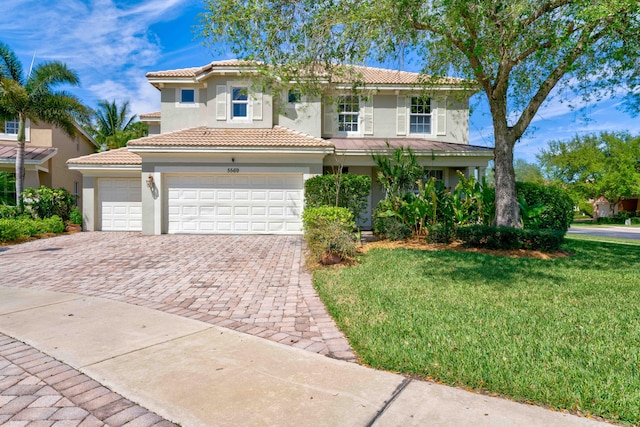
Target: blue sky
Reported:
[(113, 44)]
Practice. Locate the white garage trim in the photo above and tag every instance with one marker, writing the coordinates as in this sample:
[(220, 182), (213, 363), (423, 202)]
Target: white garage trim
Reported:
[(119, 204), (234, 203)]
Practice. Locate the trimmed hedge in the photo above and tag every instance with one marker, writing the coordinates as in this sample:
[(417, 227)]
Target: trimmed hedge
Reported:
[(353, 195), (558, 213), (21, 228), (329, 229), (507, 238), (45, 202)]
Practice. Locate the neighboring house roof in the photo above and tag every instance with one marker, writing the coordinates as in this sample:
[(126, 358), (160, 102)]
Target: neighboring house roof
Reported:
[(367, 75), (277, 136), (417, 145), (32, 155), (120, 156), (150, 116)]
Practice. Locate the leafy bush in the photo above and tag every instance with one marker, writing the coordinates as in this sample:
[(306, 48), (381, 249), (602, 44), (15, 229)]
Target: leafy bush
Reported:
[(438, 233), (45, 202), (353, 192), (21, 228), (75, 217), (558, 206), (389, 226), (329, 229), (489, 237), (7, 211), (585, 207)]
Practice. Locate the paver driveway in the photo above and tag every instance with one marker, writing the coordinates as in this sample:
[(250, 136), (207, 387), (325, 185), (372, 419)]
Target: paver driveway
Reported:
[(253, 284)]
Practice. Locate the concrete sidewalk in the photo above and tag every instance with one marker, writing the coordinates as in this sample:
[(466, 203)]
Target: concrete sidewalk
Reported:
[(196, 374)]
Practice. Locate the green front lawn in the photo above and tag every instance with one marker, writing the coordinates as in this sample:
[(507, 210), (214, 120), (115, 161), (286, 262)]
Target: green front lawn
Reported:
[(563, 333)]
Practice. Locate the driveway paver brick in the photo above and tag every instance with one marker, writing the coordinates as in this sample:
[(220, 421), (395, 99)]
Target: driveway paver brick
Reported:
[(28, 398), (254, 284)]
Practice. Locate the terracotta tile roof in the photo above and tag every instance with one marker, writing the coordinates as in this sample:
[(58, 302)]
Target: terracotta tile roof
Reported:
[(120, 156), (153, 115), (368, 75), (207, 137), (194, 71), (33, 155), (378, 144)]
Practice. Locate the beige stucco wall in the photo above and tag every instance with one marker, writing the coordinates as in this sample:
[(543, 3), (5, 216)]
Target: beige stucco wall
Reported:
[(302, 117)]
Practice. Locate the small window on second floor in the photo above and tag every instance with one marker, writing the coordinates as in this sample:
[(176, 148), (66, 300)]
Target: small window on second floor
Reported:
[(187, 96), (348, 113), (294, 96), (11, 127), (420, 115), (239, 102)]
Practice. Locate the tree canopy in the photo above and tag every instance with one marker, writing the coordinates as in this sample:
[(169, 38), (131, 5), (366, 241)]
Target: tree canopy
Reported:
[(592, 166), (32, 97), (516, 52), (528, 172), (114, 125)]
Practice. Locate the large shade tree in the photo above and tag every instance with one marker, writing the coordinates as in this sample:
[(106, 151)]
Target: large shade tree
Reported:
[(32, 97), (114, 124), (517, 52)]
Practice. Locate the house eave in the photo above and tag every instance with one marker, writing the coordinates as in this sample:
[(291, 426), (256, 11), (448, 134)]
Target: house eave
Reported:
[(231, 149), (105, 167)]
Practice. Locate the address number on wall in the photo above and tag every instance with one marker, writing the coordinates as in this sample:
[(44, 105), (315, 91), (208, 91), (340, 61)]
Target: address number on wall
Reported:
[(233, 170)]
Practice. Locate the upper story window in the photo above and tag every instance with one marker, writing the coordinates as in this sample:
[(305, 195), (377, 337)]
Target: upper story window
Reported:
[(11, 127), (420, 115), (187, 96), (348, 114), (239, 102), (294, 96)]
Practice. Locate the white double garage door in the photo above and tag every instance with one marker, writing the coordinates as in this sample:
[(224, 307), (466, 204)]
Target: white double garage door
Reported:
[(210, 203)]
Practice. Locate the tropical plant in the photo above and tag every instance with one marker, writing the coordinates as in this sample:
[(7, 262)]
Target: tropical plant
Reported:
[(115, 126), (518, 53), (7, 188), (45, 202), (33, 98), (399, 172)]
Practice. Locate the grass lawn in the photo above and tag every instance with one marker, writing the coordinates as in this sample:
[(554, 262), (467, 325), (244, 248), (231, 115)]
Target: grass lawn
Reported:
[(564, 333)]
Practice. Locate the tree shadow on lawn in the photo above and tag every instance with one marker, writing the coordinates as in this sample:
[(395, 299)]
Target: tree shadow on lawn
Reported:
[(588, 259)]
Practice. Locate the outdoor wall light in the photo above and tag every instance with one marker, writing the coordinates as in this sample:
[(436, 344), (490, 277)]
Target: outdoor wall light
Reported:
[(150, 182)]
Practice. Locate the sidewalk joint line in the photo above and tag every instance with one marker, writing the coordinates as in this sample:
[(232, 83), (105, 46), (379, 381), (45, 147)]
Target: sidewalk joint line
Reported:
[(43, 305), (144, 348), (405, 382)]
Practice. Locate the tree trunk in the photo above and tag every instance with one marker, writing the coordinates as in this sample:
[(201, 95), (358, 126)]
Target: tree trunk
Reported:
[(507, 211), (20, 159)]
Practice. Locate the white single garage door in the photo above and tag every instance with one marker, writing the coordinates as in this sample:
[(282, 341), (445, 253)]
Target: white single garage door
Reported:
[(120, 204), (261, 204)]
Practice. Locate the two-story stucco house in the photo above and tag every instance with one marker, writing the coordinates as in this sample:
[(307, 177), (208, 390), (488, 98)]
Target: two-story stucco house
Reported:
[(224, 158), (47, 149)]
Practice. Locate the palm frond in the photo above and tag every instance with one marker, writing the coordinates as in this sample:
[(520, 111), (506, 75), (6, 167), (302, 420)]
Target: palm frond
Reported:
[(10, 66), (49, 74)]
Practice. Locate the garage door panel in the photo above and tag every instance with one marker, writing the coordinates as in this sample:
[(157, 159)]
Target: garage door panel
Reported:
[(120, 207), (235, 203)]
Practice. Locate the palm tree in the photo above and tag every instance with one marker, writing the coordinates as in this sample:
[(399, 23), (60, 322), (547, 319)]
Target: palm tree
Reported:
[(114, 125), (32, 98)]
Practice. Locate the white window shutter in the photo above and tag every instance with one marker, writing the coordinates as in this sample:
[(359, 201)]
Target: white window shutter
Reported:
[(330, 117), (367, 113), (256, 99), (221, 102), (441, 117), (401, 121)]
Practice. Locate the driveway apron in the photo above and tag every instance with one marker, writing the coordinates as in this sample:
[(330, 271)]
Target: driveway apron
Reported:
[(252, 284)]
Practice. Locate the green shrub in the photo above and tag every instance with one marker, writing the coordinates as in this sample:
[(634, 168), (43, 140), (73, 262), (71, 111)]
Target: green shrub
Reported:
[(507, 238), (7, 211), (313, 217), (558, 206), (389, 226), (329, 229), (21, 228), (439, 233), (75, 217), (45, 202), (586, 208), (353, 193)]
